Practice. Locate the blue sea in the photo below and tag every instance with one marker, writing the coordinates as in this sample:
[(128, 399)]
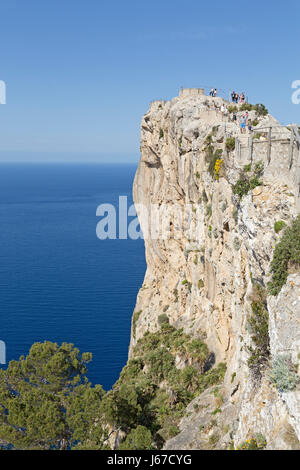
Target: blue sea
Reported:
[(58, 281)]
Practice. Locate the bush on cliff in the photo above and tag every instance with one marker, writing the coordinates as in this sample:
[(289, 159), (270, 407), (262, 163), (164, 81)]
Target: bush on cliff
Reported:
[(230, 144), (258, 327), (139, 438), (248, 181), (151, 391), (286, 257), (259, 108), (284, 374), (46, 401), (211, 158)]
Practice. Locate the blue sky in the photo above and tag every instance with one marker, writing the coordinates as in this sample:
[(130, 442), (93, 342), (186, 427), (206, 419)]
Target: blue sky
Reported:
[(80, 74)]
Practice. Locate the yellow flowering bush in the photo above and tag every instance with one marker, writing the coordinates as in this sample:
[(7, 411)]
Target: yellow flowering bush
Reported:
[(258, 443), (217, 168)]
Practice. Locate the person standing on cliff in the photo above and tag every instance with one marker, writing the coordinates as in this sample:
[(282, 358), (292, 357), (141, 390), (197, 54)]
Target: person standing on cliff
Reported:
[(250, 128), (222, 110), (243, 125)]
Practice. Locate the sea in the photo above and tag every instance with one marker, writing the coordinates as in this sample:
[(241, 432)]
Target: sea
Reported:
[(58, 281)]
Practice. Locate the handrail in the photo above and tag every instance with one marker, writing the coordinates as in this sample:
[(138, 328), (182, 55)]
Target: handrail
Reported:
[(297, 135)]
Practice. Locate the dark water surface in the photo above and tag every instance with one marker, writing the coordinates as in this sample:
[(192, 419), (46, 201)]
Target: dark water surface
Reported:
[(58, 281)]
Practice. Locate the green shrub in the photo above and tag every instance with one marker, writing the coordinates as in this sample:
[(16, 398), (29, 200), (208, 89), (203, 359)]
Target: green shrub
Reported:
[(138, 399), (161, 133), (258, 327), (185, 282), (217, 410), (230, 144), (214, 439), (247, 168), (282, 374), (135, 318), (257, 443), (163, 319), (211, 157), (261, 110), (245, 184), (286, 254), (279, 225), (255, 122), (139, 438), (259, 168), (175, 292), (209, 210), (246, 107)]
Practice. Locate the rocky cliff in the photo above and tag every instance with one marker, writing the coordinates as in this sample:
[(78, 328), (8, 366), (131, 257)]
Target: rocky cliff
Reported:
[(211, 202)]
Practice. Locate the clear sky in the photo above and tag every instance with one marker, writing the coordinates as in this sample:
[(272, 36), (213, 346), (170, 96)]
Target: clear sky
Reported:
[(80, 74)]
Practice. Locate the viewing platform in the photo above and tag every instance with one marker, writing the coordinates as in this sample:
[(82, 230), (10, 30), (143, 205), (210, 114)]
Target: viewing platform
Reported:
[(191, 92)]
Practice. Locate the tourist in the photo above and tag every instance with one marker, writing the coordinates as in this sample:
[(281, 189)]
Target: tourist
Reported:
[(233, 96), (243, 125), (211, 93), (215, 92), (242, 98), (263, 136), (250, 128), (236, 97)]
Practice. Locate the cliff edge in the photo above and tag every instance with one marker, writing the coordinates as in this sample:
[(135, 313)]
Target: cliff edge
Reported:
[(213, 204)]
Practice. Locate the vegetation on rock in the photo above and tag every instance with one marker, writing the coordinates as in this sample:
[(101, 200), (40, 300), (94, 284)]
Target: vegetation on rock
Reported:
[(286, 257), (136, 316), (279, 225), (230, 144), (247, 182), (284, 374), (255, 443), (46, 401), (151, 391), (258, 327)]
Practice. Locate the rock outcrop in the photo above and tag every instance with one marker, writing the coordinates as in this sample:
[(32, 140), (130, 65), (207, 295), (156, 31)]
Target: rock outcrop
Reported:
[(208, 250)]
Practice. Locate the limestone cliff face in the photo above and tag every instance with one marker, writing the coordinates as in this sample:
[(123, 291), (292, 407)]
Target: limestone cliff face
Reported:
[(202, 275)]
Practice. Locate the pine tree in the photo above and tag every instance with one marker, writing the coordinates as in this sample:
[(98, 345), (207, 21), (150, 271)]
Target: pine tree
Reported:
[(46, 401)]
